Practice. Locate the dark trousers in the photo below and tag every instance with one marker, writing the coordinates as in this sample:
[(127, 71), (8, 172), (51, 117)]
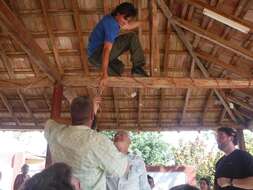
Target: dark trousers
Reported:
[(122, 43)]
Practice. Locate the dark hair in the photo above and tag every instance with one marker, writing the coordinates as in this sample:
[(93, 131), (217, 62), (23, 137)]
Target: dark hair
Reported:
[(81, 110), (55, 177), (126, 9), (184, 187), (206, 180), (230, 132)]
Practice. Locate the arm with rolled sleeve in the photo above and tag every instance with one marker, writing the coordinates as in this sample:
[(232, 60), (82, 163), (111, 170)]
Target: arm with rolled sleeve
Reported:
[(111, 160)]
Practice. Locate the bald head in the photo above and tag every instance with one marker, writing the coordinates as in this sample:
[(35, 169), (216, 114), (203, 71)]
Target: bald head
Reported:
[(122, 141), (81, 110)]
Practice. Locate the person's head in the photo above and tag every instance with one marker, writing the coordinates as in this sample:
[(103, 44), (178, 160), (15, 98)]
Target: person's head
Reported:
[(81, 111), (184, 187), (58, 176), (226, 138), (25, 169), (124, 12), (204, 184), (122, 141), (151, 181)]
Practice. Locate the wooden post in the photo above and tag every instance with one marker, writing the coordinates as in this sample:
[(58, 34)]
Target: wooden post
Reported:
[(55, 113), (241, 140)]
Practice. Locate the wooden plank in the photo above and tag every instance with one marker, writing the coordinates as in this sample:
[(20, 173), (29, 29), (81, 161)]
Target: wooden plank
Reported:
[(246, 73), (206, 105), (140, 105), (189, 47), (116, 107), (222, 115), (188, 94), (51, 36), (239, 102), (77, 19), (25, 104), (22, 35), (6, 62), (201, 5), (131, 82), (9, 108), (154, 40), (214, 38)]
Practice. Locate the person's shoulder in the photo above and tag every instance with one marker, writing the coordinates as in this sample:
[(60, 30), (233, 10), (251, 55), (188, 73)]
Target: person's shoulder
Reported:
[(135, 157), (243, 154)]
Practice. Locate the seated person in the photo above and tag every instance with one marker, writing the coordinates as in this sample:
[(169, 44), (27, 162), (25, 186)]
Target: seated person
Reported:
[(56, 177)]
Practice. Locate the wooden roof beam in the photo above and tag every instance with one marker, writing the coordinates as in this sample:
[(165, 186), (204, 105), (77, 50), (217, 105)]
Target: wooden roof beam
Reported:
[(189, 47), (17, 31), (140, 105), (77, 20), (51, 36), (25, 104), (240, 71), (240, 103), (154, 46), (131, 82), (116, 107), (188, 94), (201, 5), (9, 108), (214, 38)]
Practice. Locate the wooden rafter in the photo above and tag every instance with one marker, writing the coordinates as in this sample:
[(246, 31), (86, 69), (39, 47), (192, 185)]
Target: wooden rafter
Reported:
[(25, 104), (116, 106), (222, 115), (130, 82), (18, 32), (214, 38), (225, 33), (240, 71), (51, 36), (154, 46), (188, 94), (140, 105), (165, 71), (6, 62), (84, 59), (240, 103), (201, 5), (206, 105), (9, 108), (188, 46)]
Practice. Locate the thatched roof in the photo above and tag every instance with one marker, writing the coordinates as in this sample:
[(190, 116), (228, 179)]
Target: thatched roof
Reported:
[(201, 68)]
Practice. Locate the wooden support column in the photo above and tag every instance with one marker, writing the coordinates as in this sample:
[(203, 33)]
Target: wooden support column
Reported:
[(55, 113), (241, 140)]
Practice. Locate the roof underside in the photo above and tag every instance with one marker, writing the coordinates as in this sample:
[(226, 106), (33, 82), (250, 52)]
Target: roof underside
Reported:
[(61, 29)]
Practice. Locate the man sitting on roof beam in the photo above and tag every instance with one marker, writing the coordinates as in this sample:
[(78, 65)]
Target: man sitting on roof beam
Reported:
[(106, 45)]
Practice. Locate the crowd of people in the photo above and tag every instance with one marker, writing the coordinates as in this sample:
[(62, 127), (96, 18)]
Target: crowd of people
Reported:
[(84, 159)]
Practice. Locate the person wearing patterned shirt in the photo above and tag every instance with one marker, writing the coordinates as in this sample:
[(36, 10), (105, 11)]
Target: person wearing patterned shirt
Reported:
[(90, 154)]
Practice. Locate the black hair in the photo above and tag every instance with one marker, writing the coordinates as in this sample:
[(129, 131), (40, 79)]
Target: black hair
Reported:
[(55, 177), (184, 187), (126, 9), (230, 132), (206, 180)]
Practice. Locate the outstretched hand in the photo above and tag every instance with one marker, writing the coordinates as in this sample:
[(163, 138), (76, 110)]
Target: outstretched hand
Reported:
[(96, 103)]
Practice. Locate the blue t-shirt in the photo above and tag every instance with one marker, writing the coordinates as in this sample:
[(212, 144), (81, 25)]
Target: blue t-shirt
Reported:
[(105, 31)]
